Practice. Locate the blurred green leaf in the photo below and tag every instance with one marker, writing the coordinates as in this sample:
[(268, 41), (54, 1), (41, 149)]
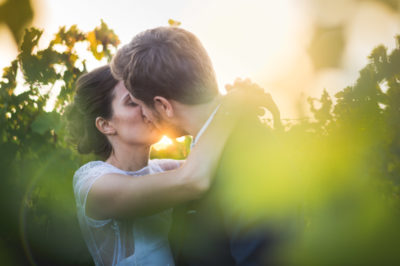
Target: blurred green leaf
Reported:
[(16, 14), (46, 122)]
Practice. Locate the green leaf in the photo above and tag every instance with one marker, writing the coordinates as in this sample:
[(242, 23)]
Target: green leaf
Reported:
[(46, 122)]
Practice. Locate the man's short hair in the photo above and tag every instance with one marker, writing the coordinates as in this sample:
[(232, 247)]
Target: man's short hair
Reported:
[(169, 62)]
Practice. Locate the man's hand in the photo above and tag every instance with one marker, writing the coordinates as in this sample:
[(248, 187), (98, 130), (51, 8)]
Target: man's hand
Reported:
[(244, 95)]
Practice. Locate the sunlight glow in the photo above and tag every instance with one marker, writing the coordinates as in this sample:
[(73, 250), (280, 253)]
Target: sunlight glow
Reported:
[(164, 143), (181, 139), (8, 49), (251, 40), (266, 41)]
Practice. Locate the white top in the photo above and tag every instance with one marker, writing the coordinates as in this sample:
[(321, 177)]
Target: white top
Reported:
[(204, 127), (140, 241)]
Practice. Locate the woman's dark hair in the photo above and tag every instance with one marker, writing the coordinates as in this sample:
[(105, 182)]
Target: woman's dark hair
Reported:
[(93, 98)]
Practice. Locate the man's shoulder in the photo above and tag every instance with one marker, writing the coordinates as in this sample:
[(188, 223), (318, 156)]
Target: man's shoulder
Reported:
[(249, 138)]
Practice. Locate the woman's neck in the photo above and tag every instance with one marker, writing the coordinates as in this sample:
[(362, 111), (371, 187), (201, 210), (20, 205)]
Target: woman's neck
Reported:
[(129, 158)]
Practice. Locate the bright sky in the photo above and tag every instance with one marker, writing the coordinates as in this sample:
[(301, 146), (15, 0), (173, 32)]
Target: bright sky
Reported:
[(243, 38), (264, 40)]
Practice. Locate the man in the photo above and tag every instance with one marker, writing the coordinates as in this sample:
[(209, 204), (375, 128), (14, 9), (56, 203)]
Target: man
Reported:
[(170, 75)]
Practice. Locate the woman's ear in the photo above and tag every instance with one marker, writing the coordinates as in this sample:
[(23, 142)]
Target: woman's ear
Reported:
[(105, 126), (163, 106)]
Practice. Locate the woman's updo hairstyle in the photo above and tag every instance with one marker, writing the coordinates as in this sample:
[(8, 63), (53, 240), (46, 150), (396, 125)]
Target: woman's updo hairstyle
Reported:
[(93, 98)]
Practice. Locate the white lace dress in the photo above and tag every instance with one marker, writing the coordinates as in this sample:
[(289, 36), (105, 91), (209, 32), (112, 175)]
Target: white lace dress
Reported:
[(141, 241)]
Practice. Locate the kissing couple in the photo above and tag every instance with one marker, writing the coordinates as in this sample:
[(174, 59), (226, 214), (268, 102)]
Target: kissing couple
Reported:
[(137, 211)]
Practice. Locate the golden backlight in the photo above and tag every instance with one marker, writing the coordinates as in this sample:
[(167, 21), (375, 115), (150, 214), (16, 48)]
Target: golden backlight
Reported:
[(164, 143)]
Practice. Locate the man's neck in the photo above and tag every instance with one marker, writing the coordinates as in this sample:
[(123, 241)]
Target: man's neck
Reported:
[(193, 117)]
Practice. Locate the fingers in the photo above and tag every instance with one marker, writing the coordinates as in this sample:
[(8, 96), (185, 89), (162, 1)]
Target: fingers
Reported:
[(247, 93), (240, 83)]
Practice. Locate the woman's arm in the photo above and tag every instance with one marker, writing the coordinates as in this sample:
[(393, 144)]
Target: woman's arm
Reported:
[(118, 195)]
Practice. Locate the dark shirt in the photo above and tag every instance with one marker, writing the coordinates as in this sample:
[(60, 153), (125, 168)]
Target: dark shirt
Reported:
[(216, 229)]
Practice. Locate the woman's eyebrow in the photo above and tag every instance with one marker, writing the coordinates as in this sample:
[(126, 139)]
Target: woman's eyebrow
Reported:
[(125, 96)]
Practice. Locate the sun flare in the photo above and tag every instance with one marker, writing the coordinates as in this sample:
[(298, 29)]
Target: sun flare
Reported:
[(164, 143)]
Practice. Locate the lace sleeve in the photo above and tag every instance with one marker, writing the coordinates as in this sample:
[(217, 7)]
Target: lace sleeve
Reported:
[(85, 177)]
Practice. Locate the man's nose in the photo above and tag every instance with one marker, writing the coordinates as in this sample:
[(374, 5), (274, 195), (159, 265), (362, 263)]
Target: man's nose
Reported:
[(144, 116), (146, 120), (142, 112)]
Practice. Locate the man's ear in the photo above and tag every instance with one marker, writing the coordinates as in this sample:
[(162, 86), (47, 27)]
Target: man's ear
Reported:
[(163, 106), (105, 126)]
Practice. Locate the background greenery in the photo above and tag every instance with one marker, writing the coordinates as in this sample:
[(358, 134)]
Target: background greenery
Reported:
[(344, 161)]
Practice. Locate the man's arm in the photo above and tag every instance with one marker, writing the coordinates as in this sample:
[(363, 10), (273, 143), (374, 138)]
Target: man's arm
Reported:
[(250, 241)]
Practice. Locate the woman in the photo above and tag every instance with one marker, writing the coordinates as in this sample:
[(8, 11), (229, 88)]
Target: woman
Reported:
[(114, 196)]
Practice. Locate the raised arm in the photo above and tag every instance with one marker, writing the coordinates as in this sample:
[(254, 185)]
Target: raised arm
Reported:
[(118, 195)]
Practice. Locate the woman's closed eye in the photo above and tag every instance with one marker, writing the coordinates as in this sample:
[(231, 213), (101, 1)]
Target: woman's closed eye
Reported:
[(129, 102), (132, 103)]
